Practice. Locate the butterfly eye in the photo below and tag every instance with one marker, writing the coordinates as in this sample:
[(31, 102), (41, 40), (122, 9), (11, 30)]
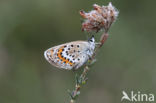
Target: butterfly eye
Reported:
[(91, 39)]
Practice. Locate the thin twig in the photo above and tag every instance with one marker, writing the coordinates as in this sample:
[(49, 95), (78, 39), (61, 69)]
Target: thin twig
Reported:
[(81, 80), (100, 18), (103, 39)]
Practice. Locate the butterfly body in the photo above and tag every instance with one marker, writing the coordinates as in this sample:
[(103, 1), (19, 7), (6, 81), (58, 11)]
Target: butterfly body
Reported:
[(70, 55)]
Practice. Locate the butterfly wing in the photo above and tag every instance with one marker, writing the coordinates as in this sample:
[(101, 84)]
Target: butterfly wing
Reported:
[(68, 56)]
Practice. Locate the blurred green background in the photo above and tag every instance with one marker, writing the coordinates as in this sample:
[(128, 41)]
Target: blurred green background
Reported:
[(127, 61)]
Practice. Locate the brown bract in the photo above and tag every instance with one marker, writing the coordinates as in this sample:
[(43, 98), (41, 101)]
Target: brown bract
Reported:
[(100, 18)]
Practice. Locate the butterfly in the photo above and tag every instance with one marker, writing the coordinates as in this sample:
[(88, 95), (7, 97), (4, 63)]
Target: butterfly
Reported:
[(70, 55)]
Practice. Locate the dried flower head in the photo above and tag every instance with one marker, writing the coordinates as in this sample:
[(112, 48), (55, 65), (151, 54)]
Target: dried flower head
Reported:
[(100, 18)]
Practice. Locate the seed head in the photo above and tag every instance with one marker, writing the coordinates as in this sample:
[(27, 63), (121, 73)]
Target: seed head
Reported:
[(100, 18)]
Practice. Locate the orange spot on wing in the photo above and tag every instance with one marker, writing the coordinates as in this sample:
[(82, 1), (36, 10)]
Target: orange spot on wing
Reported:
[(66, 61), (70, 63)]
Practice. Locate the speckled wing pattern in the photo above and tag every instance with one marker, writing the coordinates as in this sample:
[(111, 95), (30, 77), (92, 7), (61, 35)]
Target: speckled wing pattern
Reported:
[(70, 55)]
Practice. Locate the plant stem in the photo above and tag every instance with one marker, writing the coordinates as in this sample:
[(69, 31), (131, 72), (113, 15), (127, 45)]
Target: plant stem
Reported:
[(81, 80), (102, 40)]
